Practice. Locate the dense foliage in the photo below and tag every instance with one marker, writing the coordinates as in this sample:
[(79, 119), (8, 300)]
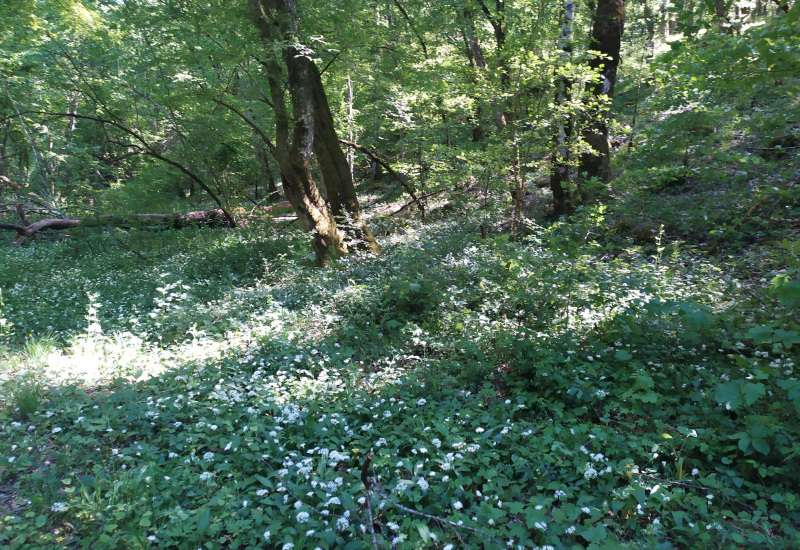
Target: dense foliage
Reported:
[(496, 378)]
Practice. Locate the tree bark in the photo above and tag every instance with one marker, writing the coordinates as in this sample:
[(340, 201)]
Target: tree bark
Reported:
[(560, 177), (477, 58), (609, 21), (309, 129)]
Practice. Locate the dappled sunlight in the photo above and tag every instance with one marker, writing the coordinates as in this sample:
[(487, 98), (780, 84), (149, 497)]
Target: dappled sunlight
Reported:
[(581, 330), (440, 359)]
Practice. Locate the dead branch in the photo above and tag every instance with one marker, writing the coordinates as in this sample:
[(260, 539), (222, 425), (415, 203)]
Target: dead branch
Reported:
[(201, 218), (21, 213), (374, 156)]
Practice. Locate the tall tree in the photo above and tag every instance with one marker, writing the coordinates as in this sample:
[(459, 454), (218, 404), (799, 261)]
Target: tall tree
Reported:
[(607, 28), (308, 128), (560, 177)]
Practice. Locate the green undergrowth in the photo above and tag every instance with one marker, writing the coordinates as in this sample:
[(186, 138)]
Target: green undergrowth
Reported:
[(712, 155), (558, 393)]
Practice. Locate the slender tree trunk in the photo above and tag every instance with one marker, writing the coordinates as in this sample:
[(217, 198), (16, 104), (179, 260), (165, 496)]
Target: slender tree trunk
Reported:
[(478, 60), (498, 22), (607, 30), (265, 176), (721, 12), (351, 122), (309, 129), (4, 146), (560, 177)]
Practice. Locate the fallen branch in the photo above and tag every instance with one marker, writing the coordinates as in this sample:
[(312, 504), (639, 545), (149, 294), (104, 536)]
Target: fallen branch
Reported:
[(368, 489), (371, 485), (374, 156), (438, 519), (202, 218), (406, 205), (21, 213), (147, 148)]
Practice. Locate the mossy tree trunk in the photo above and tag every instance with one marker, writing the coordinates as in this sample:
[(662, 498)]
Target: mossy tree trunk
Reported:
[(308, 129)]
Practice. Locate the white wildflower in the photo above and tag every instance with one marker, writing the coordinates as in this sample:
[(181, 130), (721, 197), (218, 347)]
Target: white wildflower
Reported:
[(58, 507)]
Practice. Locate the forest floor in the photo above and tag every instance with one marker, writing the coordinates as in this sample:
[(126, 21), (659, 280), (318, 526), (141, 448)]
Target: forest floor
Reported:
[(565, 391)]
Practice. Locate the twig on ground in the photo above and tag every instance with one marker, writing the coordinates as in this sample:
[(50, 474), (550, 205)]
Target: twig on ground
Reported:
[(368, 489)]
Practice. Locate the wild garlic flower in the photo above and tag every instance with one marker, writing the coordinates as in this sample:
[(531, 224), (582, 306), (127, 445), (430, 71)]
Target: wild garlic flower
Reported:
[(58, 507)]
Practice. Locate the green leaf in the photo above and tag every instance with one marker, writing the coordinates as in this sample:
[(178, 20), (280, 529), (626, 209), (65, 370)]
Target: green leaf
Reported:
[(760, 445), (203, 520), (787, 337), (265, 481), (40, 520), (760, 334), (596, 533), (744, 443), (696, 320), (728, 394), (753, 392), (623, 355), (424, 532), (786, 290), (649, 397)]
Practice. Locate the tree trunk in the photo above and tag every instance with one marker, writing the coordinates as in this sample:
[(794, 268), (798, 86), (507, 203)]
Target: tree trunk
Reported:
[(309, 129), (560, 177), (336, 176), (478, 60), (782, 6), (498, 23), (607, 30), (723, 21), (265, 176), (351, 123)]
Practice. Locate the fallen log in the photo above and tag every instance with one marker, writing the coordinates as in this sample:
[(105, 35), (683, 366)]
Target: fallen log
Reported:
[(201, 218)]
